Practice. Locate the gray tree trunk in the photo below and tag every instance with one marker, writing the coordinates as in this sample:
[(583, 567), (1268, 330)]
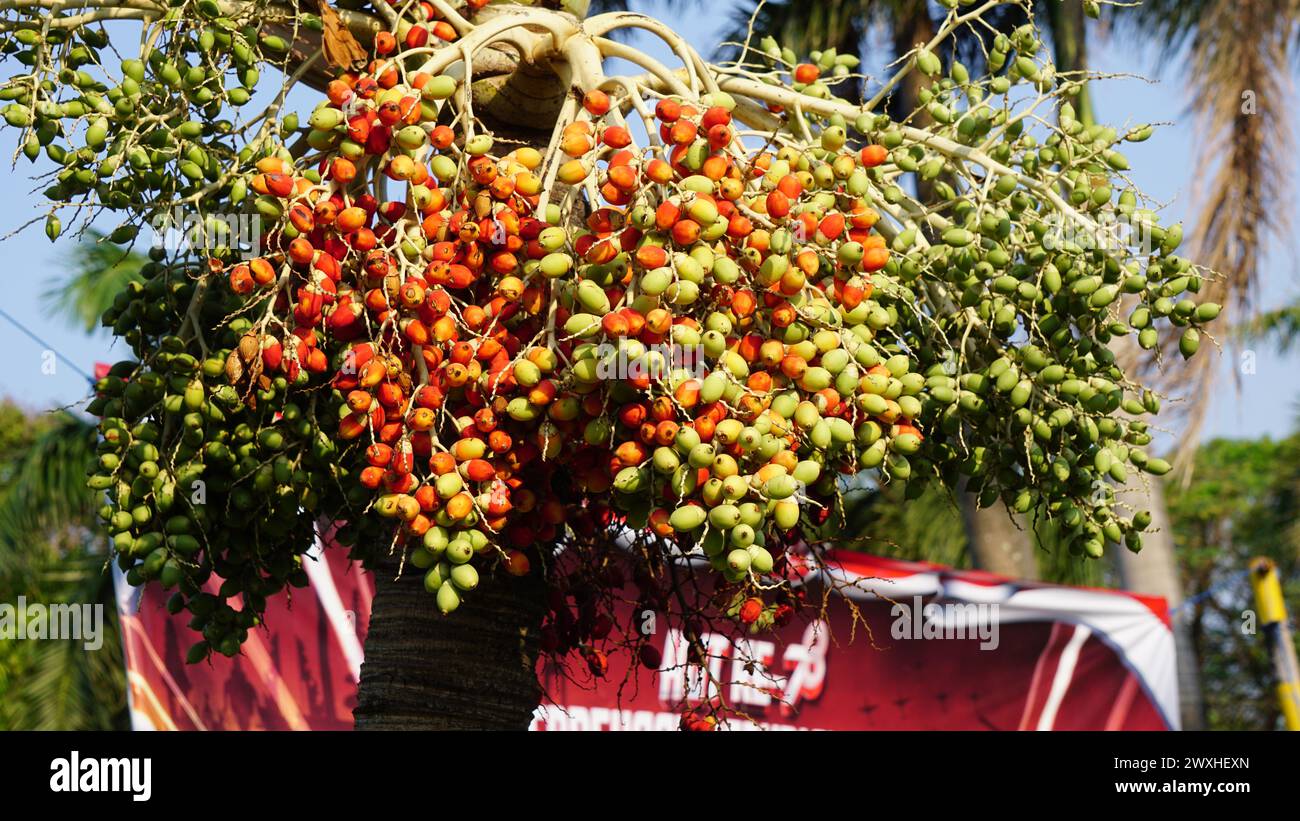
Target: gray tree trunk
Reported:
[(1155, 571), (475, 669), (997, 543)]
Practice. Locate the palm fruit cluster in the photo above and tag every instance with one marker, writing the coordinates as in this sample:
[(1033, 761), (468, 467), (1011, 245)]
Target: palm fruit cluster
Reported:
[(487, 357)]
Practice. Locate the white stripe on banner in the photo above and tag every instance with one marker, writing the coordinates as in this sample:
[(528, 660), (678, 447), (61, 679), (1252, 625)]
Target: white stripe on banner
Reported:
[(1064, 673), (322, 581)]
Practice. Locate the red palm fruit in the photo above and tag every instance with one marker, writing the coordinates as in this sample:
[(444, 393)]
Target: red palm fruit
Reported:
[(658, 320), (783, 315), (851, 294), (392, 210), (666, 432), (359, 401), (686, 232), (873, 155), (516, 561), (460, 505), (662, 409), (460, 276), (422, 419), (659, 522), (630, 453), (477, 470), (241, 280), (596, 102), (262, 271), (688, 393), (300, 216), (632, 415), (793, 366), (441, 463), (624, 178), (272, 354), (657, 170), (715, 168), (379, 455), (651, 256), (417, 36), (499, 441), (790, 186), (875, 259), (863, 216), (325, 212), (338, 91), (743, 303), (372, 477), (428, 396), (444, 31), (416, 331), (615, 325), (372, 373), (385, 43), (301, 251), (748, 347), (616, 136), (667, 215), (279, 185), (352, 426), (543, 393), (390, 395), (668, 110), (682, 132), (831, 226), (806, 73), (778, 204), (485, 420), (350, 219), (403, 460), (704, 426), (827, 401)]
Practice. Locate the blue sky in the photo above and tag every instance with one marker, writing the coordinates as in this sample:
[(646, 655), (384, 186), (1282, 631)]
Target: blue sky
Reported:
[(1264, 403)]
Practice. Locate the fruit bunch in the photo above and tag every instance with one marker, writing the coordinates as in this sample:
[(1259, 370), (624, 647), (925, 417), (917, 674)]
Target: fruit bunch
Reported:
[(689, 328)]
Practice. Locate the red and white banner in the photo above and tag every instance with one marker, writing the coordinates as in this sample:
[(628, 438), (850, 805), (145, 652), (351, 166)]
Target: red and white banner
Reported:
[(300, 673), (929, 648)]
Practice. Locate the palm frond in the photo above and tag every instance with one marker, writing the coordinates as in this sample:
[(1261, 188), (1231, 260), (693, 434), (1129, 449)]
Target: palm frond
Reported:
[(1237, 52), (1280, 327), (47, 496), (98, 270)]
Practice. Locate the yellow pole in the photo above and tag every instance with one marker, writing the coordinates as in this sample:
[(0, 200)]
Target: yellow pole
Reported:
[(1272, 617)]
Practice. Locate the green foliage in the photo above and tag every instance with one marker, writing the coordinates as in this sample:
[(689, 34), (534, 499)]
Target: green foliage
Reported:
[(98, 271), (1241, 503), (49, 555)]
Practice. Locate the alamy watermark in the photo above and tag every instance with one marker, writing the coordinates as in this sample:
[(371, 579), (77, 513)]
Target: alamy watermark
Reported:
[(185, 231), (1108, 231), (656, 362), (53, 622), (949, 620)]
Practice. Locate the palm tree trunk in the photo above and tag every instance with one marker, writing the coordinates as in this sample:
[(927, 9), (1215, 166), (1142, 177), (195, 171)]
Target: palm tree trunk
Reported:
[(1070, 47), (474, 669), (998, 543), (1155, 571)]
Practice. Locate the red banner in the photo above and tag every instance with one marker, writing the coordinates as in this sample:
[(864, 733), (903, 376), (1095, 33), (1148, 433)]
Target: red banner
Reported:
[(900, 645), (300, 673)]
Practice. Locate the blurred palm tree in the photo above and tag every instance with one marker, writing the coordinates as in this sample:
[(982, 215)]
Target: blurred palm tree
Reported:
[(52, 550)]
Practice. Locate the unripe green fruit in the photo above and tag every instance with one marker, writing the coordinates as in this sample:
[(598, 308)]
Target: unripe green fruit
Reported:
[(448, 599), (687, 518)]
